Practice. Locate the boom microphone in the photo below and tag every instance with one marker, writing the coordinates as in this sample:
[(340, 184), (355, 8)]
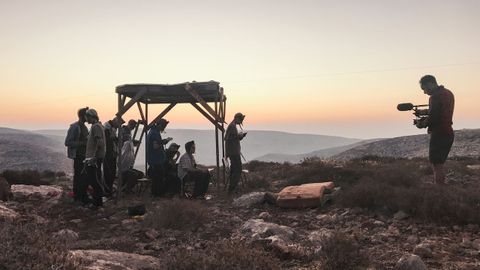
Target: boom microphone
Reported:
[(405, 107)]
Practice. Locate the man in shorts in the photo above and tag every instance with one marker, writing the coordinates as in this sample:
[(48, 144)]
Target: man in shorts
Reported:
[(439, 123)]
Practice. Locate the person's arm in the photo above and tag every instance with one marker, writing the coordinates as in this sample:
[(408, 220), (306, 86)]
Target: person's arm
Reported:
[(73, 135), (98, 138), (434, 111)]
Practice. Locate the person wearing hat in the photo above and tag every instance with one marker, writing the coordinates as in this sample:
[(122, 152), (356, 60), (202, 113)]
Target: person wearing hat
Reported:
[(156, 156), (76, 143), (171, 177), (110, 162), (126, 134), (94, 156), (233, 150)]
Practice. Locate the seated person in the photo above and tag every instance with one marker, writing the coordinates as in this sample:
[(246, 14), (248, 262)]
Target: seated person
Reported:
[(171, 176), (188, 171)]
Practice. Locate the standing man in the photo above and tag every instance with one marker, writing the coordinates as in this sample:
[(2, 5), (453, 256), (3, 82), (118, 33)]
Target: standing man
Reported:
[(76, 143), (233, 150), (439, 123), (189, 172), (127, 131), (110, 162), (94, 157), (156, 156)]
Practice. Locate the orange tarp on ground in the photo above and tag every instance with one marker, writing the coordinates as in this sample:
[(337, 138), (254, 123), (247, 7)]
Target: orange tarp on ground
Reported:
[(303, 196)]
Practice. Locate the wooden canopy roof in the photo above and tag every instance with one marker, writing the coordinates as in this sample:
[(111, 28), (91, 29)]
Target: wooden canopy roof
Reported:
[(173, 93)]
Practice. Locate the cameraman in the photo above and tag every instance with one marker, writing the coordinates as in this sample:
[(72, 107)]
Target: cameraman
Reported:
[(439, 123)]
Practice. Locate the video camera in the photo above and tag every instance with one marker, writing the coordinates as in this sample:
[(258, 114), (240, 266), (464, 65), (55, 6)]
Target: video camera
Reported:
[(420, 114)]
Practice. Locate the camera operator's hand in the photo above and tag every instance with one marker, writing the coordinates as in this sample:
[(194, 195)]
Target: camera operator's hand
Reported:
[(421, 123)]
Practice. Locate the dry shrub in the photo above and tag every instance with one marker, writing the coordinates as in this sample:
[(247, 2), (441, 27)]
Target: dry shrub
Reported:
[(342, 252), (29, 246), (226, 254), (177, 214), (395, 188)]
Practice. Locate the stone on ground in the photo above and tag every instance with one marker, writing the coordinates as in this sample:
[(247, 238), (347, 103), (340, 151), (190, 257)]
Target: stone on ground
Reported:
[(108, 259), (249, 199), (410, 262)]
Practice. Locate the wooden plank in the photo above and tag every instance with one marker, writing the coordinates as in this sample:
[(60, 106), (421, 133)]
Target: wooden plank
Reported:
[(202, 102), (162, 114), (132, 101), (141, 111)]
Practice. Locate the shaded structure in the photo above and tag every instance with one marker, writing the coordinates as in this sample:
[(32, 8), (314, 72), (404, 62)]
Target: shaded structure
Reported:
[(207, 97)]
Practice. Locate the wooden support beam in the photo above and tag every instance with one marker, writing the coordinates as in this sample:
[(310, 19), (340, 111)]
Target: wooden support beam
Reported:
[(141, 111), (132, 101), (124, 98), (208, 116), (162, 114), (202, 102)]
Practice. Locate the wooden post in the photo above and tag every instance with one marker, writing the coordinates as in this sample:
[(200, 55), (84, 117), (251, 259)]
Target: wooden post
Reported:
[(162, 114), (217, 150), (145, 130), (119, 158), (131, 102)]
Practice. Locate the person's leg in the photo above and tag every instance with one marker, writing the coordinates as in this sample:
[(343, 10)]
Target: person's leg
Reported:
[(202, 181), (77, 177), (439, 149), (235, 172), (83, 185), (157, 180), (95, 183), (109, 171), (438, 174)]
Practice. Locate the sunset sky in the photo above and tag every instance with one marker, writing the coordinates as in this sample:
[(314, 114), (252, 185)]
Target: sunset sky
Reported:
[(325, 67)]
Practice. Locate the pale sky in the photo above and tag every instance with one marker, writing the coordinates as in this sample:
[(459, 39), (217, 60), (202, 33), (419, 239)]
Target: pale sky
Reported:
[(324, 67)]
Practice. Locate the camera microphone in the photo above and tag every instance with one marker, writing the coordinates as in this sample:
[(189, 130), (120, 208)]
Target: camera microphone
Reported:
[(405, 107)]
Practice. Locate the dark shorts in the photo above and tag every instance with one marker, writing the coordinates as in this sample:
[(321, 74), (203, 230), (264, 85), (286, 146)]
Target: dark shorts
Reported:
[(440, 146)]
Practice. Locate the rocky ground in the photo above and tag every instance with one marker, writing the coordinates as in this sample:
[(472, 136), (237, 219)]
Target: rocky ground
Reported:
[(290, 239)]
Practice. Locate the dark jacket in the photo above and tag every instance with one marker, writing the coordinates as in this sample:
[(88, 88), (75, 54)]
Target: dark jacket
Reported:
[(232, 141), (440, 112), (155, 156), (76, 140)]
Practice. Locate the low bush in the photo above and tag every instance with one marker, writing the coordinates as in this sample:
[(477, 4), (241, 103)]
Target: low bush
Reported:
[(25, 177), (177, 214), (29, 246), (226, 254), (342, 252)]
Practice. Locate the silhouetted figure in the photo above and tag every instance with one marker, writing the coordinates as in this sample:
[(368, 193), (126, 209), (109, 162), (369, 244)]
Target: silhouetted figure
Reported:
[(156, 156), (439, 123), (110, 162), (76, 143), (171, 171), (189, 172), (233, 150), (126, 131), (93, 159)]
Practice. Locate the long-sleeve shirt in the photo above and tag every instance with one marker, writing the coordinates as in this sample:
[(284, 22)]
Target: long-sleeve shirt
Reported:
[(96, 146), (186, 163), (232, 141), (155, 156), (440, 112)]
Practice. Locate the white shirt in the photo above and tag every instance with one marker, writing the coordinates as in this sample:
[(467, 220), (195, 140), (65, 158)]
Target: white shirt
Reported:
[(186, 162)]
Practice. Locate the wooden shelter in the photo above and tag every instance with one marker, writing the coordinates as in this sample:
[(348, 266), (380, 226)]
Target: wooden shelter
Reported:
[(207, 97)]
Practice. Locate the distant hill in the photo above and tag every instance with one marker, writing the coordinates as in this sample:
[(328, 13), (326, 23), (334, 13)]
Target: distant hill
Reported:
[(256, 144), (467, 144), (27, 150), (322, 153)]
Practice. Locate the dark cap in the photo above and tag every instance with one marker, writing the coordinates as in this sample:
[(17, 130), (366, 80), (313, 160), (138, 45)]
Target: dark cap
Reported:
[(161, 122), (239, 115)]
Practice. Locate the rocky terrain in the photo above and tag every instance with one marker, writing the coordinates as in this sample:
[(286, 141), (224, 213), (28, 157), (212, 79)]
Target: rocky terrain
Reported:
[(466, 144), (388, 215), (21, 150)]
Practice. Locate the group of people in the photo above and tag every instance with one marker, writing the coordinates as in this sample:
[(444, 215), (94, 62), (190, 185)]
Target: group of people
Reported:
[(101, 147), (168, 177), (92, 150)]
